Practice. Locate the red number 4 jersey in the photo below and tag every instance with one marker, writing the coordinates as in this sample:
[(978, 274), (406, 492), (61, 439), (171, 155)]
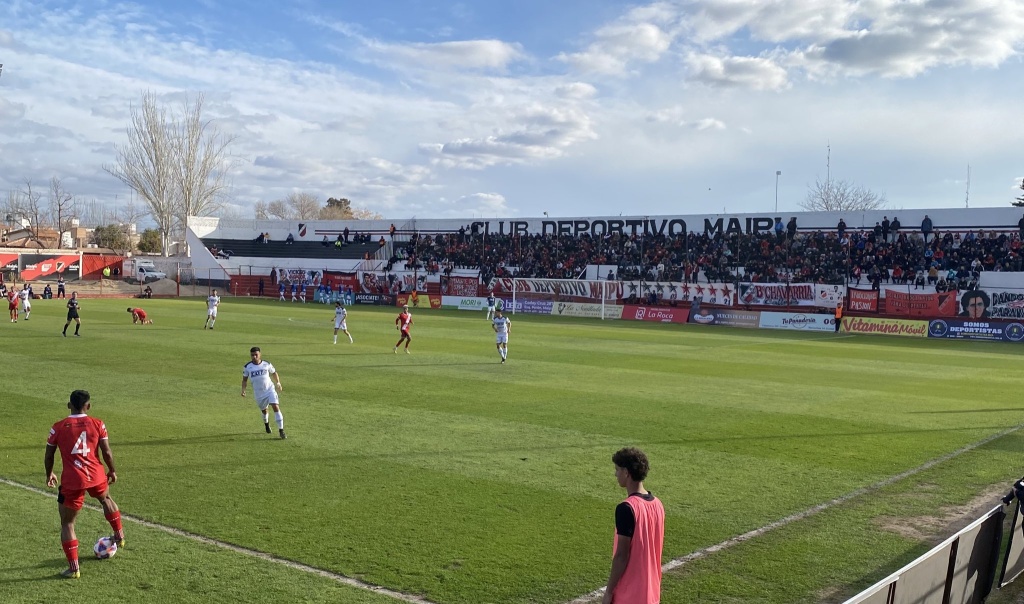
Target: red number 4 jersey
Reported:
[(78, 438)]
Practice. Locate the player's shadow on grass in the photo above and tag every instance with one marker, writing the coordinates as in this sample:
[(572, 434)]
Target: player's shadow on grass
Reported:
[(55, 565), (212, 438)]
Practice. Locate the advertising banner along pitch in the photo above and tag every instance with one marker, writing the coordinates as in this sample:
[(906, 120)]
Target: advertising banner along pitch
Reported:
[(778, 294), (958, 329)]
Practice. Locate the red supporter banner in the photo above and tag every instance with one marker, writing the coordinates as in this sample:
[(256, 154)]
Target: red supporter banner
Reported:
[(655, 313), (920, 305), (864, 300), (9, 261), (346, 280), (459, 286)]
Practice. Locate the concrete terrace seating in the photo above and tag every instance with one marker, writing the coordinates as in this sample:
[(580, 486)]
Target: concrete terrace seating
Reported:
[(249, 248)]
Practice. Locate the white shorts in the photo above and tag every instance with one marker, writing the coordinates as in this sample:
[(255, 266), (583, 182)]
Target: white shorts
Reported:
[(212, 313), (490, 308), (340, 325), (267, 399), (26, 305), (502, 338)]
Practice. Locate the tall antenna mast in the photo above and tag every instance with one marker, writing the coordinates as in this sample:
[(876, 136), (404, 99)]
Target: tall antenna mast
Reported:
[(967, 197), (828, 162)]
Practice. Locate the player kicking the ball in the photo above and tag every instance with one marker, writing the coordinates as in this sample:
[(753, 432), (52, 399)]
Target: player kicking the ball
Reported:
[(502, 326), (340, 315), (263, 388), (78, 437)]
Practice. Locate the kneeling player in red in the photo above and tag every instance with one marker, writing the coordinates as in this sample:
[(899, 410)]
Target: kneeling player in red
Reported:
[(139, 316), (78, 436)]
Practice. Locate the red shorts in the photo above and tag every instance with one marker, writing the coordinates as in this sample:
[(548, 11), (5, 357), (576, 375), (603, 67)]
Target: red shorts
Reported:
[(74, 498), (405, 333), (12, 306)]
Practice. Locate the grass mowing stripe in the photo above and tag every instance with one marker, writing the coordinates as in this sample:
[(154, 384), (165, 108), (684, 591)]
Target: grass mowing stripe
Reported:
[(821, 507), (242, 550)]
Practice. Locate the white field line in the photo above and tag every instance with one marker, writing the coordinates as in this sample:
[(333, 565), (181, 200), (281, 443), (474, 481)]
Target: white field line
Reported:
[(404, 597), (821, 507)]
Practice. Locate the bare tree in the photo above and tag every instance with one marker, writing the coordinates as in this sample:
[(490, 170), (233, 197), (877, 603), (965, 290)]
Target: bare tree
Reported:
[(841, 196), (336, 209), (200, 163), (305, 206), (63, 209), (366, 214), (25, 205), (280, 210), (261, 211), (147, 162)]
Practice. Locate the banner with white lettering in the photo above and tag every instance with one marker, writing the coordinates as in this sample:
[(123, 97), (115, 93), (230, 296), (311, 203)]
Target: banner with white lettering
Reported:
[(778, 294), (299, 275), (829, 295)]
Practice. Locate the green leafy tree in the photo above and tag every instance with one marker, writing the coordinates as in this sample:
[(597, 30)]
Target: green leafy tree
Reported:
[(149, 242), (336, 209), (1019, 202), (112, 236)]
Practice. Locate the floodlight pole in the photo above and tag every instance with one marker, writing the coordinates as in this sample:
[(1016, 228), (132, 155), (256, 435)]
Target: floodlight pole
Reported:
[(778, 173)]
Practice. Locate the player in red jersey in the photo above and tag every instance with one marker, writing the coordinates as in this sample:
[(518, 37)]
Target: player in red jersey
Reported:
[(12, 305), (403, 323), (78, 436), (139, 316)]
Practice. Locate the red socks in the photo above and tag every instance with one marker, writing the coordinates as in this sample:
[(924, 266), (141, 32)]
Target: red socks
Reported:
[(71, 553), (115, 523)]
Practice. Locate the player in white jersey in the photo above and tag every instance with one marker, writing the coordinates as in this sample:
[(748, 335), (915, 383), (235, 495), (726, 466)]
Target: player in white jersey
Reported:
[(501, 325), (340, 314), (211, 309), (26, 301), (490, 305), (260, 372)]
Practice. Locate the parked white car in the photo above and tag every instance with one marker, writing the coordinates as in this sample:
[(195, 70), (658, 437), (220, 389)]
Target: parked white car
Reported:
[(148, 273)]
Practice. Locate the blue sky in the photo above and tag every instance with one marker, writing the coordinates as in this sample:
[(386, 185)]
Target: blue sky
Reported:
[(512, 109)]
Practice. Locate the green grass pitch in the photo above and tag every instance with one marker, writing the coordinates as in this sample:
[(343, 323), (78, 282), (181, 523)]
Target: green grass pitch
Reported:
[(449, 476)]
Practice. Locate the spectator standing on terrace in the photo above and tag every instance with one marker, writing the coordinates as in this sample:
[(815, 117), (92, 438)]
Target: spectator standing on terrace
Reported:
[(1020, 227), (635, 576), (926, 227), (779, 229), (345, 234), (261, 287), (886, 225), (895, 228), (391, 231), (791, 228), (841, 227)]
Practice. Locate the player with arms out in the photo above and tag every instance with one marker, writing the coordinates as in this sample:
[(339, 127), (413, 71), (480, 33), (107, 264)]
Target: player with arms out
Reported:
[(78, 436), (73, 314), (502, 325), (403, 323), (139, 317), (263, 388), (340, 316), (212, 303)]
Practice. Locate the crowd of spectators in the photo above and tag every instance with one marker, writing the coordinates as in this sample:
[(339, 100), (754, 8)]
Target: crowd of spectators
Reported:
[(948, 260)]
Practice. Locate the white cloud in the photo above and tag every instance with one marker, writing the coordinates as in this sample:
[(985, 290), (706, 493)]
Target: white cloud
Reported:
[(534, 133), (576, 91), (618, 46), (756, 73), (466, 54), (476, 204)]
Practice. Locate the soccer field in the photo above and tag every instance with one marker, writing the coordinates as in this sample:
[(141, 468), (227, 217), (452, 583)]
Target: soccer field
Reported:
[(448, 476)]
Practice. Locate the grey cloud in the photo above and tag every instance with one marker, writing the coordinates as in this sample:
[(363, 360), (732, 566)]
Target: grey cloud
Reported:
[(749, 72)]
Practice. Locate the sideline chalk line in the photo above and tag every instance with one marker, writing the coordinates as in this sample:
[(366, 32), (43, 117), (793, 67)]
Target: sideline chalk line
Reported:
[(404, 597), (811, 511)]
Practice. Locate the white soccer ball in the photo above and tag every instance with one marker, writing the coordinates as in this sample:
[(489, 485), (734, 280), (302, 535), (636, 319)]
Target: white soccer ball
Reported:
[(105, 548)]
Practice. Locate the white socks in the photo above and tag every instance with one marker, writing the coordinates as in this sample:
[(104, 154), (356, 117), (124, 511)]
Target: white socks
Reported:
[(280, 419)]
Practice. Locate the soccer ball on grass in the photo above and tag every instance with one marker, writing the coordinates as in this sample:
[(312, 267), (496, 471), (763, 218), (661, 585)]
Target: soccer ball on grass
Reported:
[(105, 548)]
